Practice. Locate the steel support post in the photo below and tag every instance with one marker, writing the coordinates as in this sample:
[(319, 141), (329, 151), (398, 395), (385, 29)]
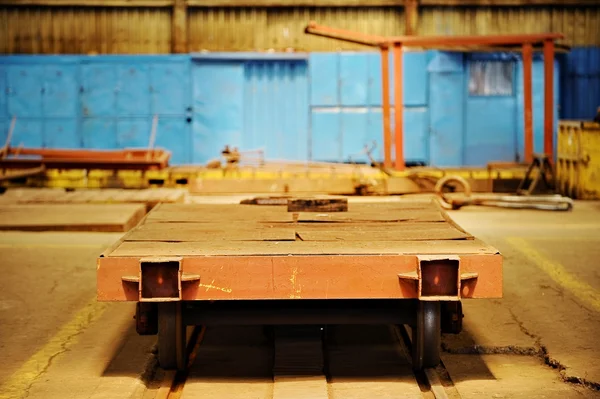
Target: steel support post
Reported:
[(549, 99), (528, 101), (398, 105), (385, 90)]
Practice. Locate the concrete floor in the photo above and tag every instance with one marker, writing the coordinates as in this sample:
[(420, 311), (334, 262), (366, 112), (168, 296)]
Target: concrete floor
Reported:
[(540, 340)]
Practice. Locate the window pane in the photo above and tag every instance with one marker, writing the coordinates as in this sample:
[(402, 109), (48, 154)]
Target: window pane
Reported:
[(491, 78)]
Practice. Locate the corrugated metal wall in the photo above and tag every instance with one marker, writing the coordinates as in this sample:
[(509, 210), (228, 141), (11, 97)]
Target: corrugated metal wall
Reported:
[(324, 107), (85, 30), (219, 29), (581, 25), (580, 86), (134, 30)]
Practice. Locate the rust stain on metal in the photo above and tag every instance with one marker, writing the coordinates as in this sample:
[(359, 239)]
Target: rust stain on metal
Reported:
[(212, 286), (296, 288)]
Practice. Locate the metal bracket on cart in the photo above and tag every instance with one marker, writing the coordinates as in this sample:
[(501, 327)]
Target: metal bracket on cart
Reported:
[(160, 279)]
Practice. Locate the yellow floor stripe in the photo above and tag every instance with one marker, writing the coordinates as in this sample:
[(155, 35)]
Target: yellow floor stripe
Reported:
[(19, 383), (557, 272)]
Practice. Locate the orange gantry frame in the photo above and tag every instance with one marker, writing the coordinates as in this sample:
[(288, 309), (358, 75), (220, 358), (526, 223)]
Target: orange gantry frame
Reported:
[(501, 42)]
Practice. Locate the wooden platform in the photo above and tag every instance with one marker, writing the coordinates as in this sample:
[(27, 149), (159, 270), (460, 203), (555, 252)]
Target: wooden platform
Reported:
[(149, 197), (257, 252), (74, 217)]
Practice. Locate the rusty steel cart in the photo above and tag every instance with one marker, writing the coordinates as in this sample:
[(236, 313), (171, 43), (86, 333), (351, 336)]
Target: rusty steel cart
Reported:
[(387, 263)]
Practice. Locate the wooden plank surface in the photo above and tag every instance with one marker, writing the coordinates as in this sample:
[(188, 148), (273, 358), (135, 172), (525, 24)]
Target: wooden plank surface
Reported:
[(197, 232), (150, 197), (223, 230), (286, 248), (73, 217)]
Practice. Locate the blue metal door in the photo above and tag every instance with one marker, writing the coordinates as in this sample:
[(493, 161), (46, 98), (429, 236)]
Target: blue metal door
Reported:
[(250, 102), (218, 88), (276, 108)]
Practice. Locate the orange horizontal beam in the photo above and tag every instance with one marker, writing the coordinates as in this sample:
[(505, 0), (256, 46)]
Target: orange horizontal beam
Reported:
[(430, 41)]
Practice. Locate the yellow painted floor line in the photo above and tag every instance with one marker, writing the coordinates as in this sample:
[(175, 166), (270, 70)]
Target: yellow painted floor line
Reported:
[(557, 272), (19, 383)]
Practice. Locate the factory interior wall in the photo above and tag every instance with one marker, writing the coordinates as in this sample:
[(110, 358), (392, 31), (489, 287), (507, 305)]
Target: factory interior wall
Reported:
[(580, 85), (317, 106)]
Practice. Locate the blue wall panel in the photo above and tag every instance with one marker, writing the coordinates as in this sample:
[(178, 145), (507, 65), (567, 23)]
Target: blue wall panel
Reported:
[(25, 88), (218, 92), (61, 133), (415, 78), (60, 90), (133, 132), (99, 133), (490, 130), (3, 93), (170, 88), (324, 79), (326, 109), (29, 133), (446, 108), (4, 123), (326, 135), (416, 138), (354, 128), (276, 108), (374, 133), (353, 79), (133, 86), (414, 90), (99, 90), (174, 133)]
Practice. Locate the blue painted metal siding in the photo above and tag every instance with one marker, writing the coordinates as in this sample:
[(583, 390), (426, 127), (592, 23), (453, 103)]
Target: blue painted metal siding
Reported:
[(218, 92), (96, 102), (346, 106), (276, 108), (580, 83), (447, 106), (249, 105), (325, 107)]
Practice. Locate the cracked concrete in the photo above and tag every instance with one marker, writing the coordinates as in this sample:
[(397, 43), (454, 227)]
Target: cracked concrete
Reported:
[(42, 289), (539, 340), (545, 313)]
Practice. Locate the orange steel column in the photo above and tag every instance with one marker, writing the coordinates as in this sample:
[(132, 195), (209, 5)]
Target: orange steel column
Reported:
[(385, 90), (549, 99), (528, 113), (398, 103)]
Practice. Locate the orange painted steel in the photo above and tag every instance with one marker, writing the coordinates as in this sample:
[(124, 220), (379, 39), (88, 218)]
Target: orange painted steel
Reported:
[(432, 41), (353, 256), (549, 99), (398, 108), (137, 159), (528, 101), (502, 42), (385, 104)]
